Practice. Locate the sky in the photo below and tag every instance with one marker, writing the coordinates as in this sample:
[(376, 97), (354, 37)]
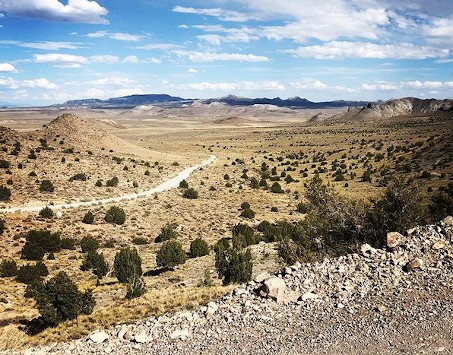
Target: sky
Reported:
[(56, 50)]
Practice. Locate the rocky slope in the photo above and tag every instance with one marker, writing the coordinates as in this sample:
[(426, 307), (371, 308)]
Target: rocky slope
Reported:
[(408, 106), (389, 301)]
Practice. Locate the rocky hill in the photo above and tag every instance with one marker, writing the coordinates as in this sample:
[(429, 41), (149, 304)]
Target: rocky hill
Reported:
[(391, 301), (405, 107)]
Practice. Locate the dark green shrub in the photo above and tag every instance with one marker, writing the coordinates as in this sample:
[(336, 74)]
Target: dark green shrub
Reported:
[(199, 247), (32, 252), (127, 265), (247, 213), (170, 254), (89, 243), (5, 193), (46, 186), (139, 241), (339, 177), (59, 299), (46, 212), (38, 242), (245, 205), (8, 268), (4, 164), (88, 218), (426, 175), (366, 177), (29, 274), (243, 236), (78, 177), (233, 266), (2, 226), (254, 184), (135, 184), (115, 215), (167, 232), (274, 209), (190, 193), (302, 207), (98, 183), (221, 244), (67, 243), (276, 188), (183, 185), (226, 177), (32, 155), (113, 182), (96, 262), (441, 204)]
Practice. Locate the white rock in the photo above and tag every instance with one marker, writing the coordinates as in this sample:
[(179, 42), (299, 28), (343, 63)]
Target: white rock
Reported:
[(367, 250), (274, 287), (180, 334), (309, 296), (98, 337), (142, 337), (211, 309), (394, 239), (448, 221), (59, 214), (261, 277)]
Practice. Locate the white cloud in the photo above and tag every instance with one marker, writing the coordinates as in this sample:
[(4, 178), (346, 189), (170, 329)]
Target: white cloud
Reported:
[(221, 14), (195, 56), (192, 71), (107, 59), (131, 59), (78, 11), (7, 68), (407, 85), (439, 32), (61, 60), (119, 36), (160, 46), (45, 45), (317, 85), (41, 83), (244, 86), (333, 50), (210, 38)]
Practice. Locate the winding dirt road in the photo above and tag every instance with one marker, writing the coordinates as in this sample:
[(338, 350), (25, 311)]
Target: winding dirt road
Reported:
[(167, 185)]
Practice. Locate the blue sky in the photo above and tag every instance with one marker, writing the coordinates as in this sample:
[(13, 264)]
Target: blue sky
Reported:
[(52, 51)]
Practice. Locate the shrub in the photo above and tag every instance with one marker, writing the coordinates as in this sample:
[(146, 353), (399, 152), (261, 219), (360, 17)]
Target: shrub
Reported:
[(170, 254), (5, 193), (135, 288), (98, 183), (233, 266), (135, 184), (248, 213), (89, 243), (183, 185), (199, 247), (400, 208), (339, 177), (59, 299), (96, 262), (88, 218), (46, 212), (441, 204), (127, 265), (139, 241), (254, 184), (67, 243), (8, 268), (190, 193), (245, 205), (46, 186), (29, 274), (243, 236), (38, 242), (276, 188), (226, 177), (2, 226), (366, 177), (167, 232), (425, 175), (78, 177), (302, 208), (115, 215), (113, 182), (4, 164), (274, 209)]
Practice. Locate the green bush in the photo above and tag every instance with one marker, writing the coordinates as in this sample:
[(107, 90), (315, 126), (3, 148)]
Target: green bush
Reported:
[(38, 242), (46, 212), (167, 232), (88, 218), (276, 188), (302, 207), (245, 205), (183, 185), (4, 164), (8, 268), (254, 184), (5, 193), (59, 299), (89, 243), (127, 265), (67, 243), (46, 186), (366, 177), (243, 236), (2, 226), (441, 204), (247, 213), (139, 241), (96, 262), (78, 177), (115, 215), (190, 193), (29, 274), (199, 247), (170, 254), (233, 266), (98, 183), (113, 182)]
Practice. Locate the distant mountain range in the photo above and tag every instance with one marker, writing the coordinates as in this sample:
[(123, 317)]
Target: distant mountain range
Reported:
[(163, 100)]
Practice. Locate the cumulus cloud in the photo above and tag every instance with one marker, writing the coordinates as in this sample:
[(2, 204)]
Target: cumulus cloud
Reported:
[(221, 14), (119, 36), (407, 85), (160, 46), (131, 59), (40, 83), (107, 59), (334, 50), (192, 71), (195, 56), (237, 86), (7, 68), (45, 45), (317, 85), (61, 60), (79, 11)]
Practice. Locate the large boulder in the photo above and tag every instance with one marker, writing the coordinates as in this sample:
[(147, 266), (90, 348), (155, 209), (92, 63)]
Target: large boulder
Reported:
[(394, 240), (273, 287)]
